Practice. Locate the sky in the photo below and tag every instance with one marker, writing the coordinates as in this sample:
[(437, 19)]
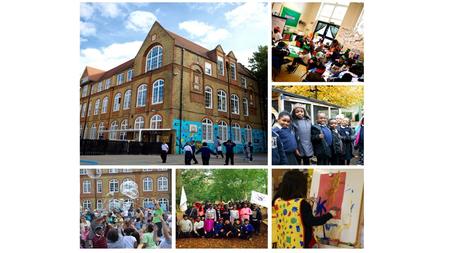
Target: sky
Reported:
[(112, 33)]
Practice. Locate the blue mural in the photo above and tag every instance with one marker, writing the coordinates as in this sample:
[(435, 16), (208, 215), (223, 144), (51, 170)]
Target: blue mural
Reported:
[(186, 135)]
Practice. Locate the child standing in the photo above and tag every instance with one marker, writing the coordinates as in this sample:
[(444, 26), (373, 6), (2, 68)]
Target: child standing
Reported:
[(287, 137), (301, 123), (322, 140), (256, 218), (278, 154), (234, 214), (210, 218), (206, 153), (346, 133), (245, 212), (187, 154), (336, 146), (229, 153), (164, 151)]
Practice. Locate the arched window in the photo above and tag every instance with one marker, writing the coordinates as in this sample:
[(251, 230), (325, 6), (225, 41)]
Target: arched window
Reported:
[(113, 130), (248, 133), (86, 186), (148, 184), (158, 92), (208, 97), (117, 102), (207, 130), (154, 58), (163, 203), (127, 100), (105, 104), (87, 204), (101, 128), (147, 203), (141, 95), (245, 105), (163, 184), (222, 101), (113, 185), (234, 104), (96, 106), (114, 204), (156, 122), (236, 129), (83, 110), (123, 126), (139, 123), (223, 133), (93, 132)]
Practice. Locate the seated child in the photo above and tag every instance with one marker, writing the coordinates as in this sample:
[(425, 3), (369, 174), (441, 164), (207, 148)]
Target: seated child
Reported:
[(199, 231), (228, 229), (219, 231), (247, 230), (185, 227), (237, 228)]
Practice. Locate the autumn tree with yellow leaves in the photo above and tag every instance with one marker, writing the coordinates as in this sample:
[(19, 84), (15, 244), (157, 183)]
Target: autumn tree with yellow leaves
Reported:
[(344, 96)]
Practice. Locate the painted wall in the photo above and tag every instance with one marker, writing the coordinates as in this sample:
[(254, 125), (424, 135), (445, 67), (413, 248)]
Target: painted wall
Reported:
[(258, 135)]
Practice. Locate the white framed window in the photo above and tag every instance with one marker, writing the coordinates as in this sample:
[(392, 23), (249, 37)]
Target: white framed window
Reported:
[(236, 129), (141, 95), (89, 109), (208, 97), (154, 58), (233, 71), (101, 128), (120, 79), (158, 92), (139, 123), (83, 110), (83, 172), (244, 82), (208, 68), (84, 91), (148, 184), (114, 204), (113, 133), (163, 184), (332, 12), (99, 186), (97, 106), (93, 132), (99, 86), (156, 122), (220, 66), (127, 100), (245, 106), (207, 130), (123, 126), (87, 204), (117, 98), (130, 75), (222, 101), (92, 89), (248, 133), (112, 171), (107, 83), (146, 203), (163, 202), (234, 104), (127, 170), (105, 104), (86, 186), (113, 185), (223, 131), (99, 204)]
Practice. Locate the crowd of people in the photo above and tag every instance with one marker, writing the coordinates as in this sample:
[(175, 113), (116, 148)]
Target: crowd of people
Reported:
[(193, 148), (295, 139), (323, 61), (147, 228), (224, 220)]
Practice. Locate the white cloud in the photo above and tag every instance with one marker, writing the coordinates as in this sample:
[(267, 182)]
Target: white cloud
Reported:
[(248, 14), (195, 28), (109, 10), (87, 29), (215, 36), (86, 10), (243, 56), (140, 21), (106, 58)]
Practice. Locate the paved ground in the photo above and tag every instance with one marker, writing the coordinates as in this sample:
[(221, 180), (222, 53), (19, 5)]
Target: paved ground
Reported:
[(258, 159)]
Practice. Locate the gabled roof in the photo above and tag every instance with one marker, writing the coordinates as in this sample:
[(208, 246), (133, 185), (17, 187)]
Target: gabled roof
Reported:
[(189, 45), (231, 55), (243, 70), (305, 98), (92, 74), (124, 66)]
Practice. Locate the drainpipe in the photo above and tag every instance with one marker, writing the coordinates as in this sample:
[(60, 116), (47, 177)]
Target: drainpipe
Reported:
[(181, 99), (229, 99)]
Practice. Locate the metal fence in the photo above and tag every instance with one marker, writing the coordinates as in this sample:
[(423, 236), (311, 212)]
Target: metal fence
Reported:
[(111, 147)]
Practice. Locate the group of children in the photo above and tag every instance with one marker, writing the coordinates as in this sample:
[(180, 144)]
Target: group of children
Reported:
[(295, 139), (232, 220), (191, 149), (126, 228), (318, 57)]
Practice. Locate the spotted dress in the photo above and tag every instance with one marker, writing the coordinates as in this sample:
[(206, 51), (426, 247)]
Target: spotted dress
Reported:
[(288, 230)]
